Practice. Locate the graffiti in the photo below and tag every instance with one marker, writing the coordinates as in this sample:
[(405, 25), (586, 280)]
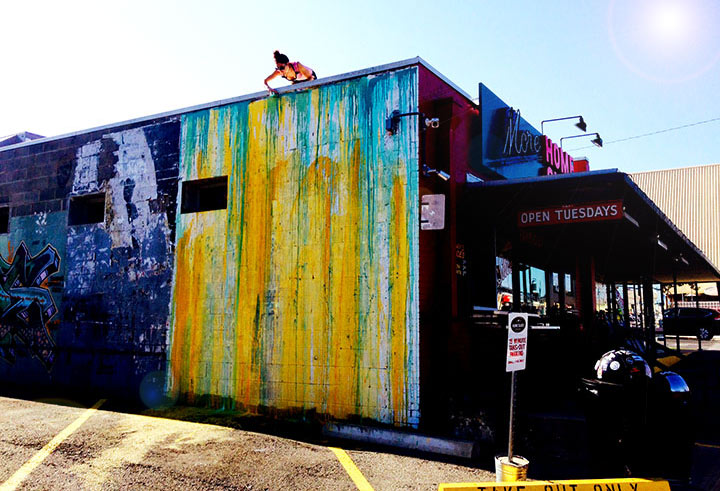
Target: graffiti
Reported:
[(26, 305)]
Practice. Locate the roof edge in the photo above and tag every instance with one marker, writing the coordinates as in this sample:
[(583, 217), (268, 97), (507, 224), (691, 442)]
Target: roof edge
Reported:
[(554, 177), (248, 97), (442, 77), (657, 171), (643, 195)]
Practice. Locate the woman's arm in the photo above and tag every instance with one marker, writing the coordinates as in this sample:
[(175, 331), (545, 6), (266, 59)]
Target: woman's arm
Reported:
[(273, 75)]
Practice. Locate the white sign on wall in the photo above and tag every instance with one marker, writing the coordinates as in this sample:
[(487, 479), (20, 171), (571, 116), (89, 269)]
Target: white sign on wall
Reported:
[(432, 212), (517, 342)]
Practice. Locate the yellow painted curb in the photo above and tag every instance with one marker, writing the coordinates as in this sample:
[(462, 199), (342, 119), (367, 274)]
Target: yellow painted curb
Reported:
[(669, 361)]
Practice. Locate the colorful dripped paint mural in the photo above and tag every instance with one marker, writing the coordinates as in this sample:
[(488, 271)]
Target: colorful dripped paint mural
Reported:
[(26, 305), (303, 293)]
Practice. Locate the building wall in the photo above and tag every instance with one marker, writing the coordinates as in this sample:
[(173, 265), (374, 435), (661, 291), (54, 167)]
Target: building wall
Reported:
[(690, 197), (303, 293), (442, 252), (86, 306)]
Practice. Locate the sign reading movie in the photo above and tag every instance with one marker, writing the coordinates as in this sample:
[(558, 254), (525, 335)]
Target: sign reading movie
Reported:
[(517, 342), (578, 213)]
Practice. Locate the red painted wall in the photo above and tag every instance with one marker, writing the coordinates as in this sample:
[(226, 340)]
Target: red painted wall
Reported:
[(442, 290), (447, 148)]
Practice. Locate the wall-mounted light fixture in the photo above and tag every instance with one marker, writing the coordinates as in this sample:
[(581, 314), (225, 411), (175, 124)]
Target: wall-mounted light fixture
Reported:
[(679, 258), (392, 121), (580, 124), (630, 219), (391, 126), (597, 141), (429, 171)]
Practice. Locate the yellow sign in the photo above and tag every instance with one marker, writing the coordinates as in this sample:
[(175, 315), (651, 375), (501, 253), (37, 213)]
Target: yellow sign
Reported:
[(575, 485)]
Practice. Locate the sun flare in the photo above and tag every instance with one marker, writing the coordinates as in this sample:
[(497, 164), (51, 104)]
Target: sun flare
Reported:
[(669, 22), (666, 40)]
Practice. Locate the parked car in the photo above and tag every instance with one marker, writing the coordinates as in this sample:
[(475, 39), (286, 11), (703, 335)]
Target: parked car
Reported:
[(687, 321)]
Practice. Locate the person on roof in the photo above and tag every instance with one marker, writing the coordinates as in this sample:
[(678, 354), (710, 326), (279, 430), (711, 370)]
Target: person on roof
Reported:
[(295, 72)]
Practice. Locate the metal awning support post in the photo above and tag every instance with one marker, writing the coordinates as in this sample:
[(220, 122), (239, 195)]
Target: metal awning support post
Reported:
[(641, 296), (675, 311), (614, 304), (697, 306), (609, 304), (548, 291), (626, 310), (664, 307), (649, 314)]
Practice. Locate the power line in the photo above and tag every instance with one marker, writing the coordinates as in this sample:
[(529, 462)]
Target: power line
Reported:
[(654, 133)]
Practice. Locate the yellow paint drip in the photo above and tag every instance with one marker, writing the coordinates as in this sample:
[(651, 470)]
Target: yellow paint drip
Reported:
[(299, 294)]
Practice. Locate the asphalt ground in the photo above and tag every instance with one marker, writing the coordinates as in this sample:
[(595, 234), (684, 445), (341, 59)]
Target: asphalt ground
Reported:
[(115, 450)]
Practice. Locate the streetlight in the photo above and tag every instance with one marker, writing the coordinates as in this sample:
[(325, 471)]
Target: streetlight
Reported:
[(580, 124), (597, 141)]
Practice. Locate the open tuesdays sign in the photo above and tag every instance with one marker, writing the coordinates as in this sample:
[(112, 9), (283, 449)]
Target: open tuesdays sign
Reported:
[(587, 212)]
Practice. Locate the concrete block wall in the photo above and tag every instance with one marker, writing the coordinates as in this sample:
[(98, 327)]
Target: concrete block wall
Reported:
[(111, 287), (303, 293)]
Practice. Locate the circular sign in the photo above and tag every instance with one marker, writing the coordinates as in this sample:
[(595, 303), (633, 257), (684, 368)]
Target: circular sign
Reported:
[(517, 324)]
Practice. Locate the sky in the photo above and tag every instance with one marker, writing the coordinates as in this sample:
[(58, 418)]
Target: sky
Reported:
[(629, 67)]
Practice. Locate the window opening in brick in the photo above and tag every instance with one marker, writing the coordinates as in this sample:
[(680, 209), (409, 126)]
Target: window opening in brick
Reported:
[(87, 209), (204, 195), (4, 219)]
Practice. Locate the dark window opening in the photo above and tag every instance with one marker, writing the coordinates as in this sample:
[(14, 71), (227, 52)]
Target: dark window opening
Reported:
[(87, 209), (4, 219), (204, 195)]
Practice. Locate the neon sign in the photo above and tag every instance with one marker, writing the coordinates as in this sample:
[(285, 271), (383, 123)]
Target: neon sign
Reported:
[(557, 161), (517, 141)]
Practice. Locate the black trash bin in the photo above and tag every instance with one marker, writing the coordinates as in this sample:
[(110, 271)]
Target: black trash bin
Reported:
[(672, 427), (639, 424), (615, 402)]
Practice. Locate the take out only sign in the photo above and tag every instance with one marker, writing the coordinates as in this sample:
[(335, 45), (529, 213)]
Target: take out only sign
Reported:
[(517, 342), (624, 484), (576, 213)]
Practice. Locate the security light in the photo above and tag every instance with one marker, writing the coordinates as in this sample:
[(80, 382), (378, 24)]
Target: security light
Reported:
[(392, 121), (597, 141), (580, 124), (428, 171)]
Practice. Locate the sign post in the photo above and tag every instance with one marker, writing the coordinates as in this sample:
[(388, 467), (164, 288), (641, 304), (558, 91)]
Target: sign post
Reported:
[(516, 355)]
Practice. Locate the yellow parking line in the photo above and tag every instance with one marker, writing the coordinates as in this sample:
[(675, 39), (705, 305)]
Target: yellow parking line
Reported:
[(37, 459), (352, 469)]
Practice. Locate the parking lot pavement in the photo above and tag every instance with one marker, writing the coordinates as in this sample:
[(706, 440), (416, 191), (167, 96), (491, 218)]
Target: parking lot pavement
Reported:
[(112, 450), (25, 430)]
